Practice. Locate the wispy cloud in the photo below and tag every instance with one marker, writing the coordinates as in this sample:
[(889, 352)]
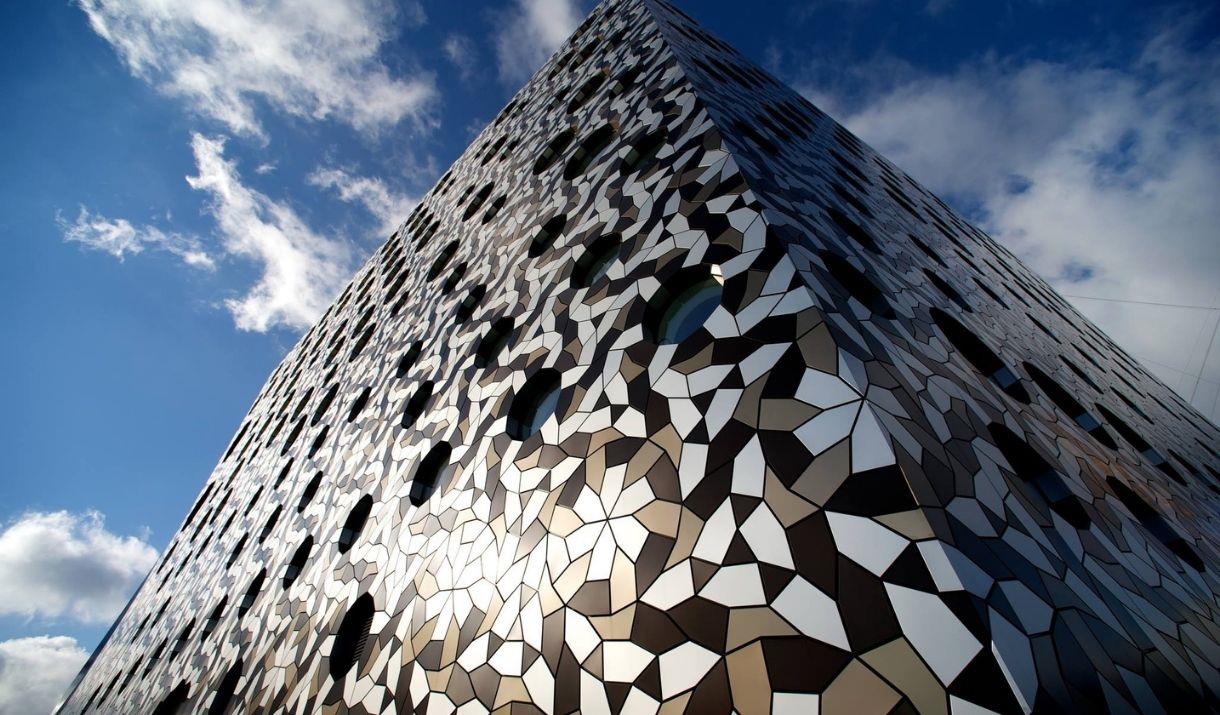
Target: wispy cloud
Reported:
[(529, 34), (389, 207), (460, 51), (119, 237), (34, 672), (1102, 175), (63, 564), (309, 58), (302, 271)]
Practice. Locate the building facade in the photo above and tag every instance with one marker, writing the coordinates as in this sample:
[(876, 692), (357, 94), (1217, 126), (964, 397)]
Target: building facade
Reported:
[(674, 396)]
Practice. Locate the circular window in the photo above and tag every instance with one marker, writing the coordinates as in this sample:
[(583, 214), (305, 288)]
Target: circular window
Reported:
[(417, 404), (1156, 524), (470, 303), (1031, 468), (226, 689), (949, 291), (352, 637), (355, 523), (587, 90), (596, 261), (297, 564), (534, 403), (589, 149), (308, 494), (408, 359), (682, 305), (493, 342), (251, 595), (446, 255), (552, 151), (546, 235), (983, 358), (644, 150), (852, 229), (358, 405), (1069, 405), (856, 284), (423, 484)]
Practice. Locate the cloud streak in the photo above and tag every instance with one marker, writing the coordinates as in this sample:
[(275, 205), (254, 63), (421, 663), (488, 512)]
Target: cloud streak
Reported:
[(34, 672), (1101, 175), (389, 207), (530, 32), (56, 564), (312, 59), (118, 237)]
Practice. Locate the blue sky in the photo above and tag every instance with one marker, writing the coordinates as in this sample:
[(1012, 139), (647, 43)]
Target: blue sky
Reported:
[(183, 192)]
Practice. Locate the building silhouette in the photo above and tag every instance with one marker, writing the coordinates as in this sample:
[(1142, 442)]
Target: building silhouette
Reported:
[(674, 396)]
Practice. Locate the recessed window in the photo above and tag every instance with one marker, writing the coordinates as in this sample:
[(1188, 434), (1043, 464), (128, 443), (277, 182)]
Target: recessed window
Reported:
[(470, 303), (478, 200), (269, 526), (324, 405), (589, 149), (358, 404), (624, 81), (546, 235), (251, 595), (1032, 469), (213, 619), (852, 229), (1147, 451), (408, 359), (417, 404), (297, 564), (596, 260), (355, 523), (226, 689), (534, 404), (493, 342), (174, 701), (429, 472), (979, 355), (236, 552), (494, 209), (856, 284), (681, 305), (284, 472), (1155, 523), (949, 291), (455, 277), (756, 138), (184, 637), (553, 150), (292, 436), (352, 637), (644, 151), (587, 90), (362, 341), (307, 495), (447, 253), (1070, 406)]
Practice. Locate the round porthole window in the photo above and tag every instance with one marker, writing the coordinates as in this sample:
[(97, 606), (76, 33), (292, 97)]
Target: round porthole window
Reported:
[(593, 264), (534, 404), (682, 305)]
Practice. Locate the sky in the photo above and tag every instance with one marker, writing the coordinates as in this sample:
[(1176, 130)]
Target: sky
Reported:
[(188, 183)]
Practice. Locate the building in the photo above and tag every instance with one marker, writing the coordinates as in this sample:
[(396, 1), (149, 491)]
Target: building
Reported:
[(672, 395)]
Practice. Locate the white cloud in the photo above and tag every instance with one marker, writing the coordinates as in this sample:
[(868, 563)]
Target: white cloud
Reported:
[(530, 32), (307, 58), (62, 564), (460, 50), (302, 271), (119, 238), (389, 207), (35, 672), (1103, 177)]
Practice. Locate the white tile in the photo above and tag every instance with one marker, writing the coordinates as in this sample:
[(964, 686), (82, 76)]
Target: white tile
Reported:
[(812, 612), (943, 642), (865, 541)]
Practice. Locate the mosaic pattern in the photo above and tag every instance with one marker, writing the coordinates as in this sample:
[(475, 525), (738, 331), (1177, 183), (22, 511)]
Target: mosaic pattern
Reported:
[(673, 396)]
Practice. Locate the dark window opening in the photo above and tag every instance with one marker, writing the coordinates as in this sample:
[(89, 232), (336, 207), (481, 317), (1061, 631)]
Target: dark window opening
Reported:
[(226, 689), (553, 150), (624, 81), (251, 595), (1147, 451), (1032, 469), (455, 277), (361, 342), (324, 405), (292, 436), (493, 210), (356, 519), (979, 355), (927, 250), (756, 138), (279, 479), (1080, 373), (534, 404), (588, 150), (470, 303), (417, 404), (429, 472), (310, 490), (213, 619), (586, 91), (236, 552), (546, 235), (174, 701), (352, 637), (478, 200), (407, 361), (1070, 406), (949, 291), (852, 229), (297, 564), (359, 404), (856, 284), (318, 441), (681, 305), (493, 342), (644, 151), (990, 293), (269, 526), (1155, 523), (184, 637), (596, 260), (442, 260)]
